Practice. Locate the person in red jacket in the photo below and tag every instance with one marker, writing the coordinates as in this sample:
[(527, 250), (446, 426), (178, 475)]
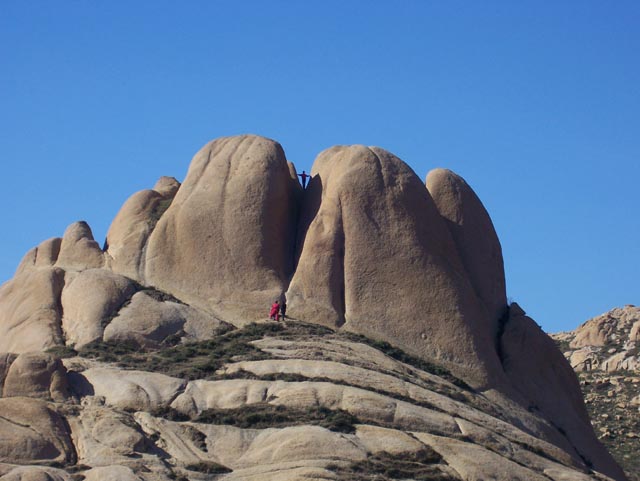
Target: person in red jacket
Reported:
[(275, 311)]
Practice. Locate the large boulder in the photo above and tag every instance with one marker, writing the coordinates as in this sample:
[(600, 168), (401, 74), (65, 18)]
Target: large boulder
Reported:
[(30, 310), (543, 377), (378, 259), (45, 255), (33, 432), (129, 390), (36, 473), (36, 375), (79, 250), (475, 237), (226, 242), (147, 322), (134, 223), (90, 301), (103, 437)]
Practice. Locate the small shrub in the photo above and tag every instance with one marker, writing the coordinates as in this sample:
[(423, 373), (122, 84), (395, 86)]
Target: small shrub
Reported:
[(208, 467), (62, 351), (264, 415)]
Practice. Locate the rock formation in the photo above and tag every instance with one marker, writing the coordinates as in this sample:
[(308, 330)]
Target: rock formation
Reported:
[(400, 345), (377, 258), (608, 342), (226, 242), (604, 353), (474, 236)]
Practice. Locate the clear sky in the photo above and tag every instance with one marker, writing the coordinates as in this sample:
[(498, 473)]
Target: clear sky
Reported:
[(535, 103)]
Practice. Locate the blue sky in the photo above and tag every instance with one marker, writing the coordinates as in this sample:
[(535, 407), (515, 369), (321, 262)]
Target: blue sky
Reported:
[(535, 104)]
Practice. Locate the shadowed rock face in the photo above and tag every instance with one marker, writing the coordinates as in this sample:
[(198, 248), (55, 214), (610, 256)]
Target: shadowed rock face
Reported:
[(540, 374), (378, 259), (226, 242)]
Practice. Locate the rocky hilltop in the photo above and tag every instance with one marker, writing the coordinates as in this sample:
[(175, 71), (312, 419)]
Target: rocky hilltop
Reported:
[(604, 353), (400, 358)]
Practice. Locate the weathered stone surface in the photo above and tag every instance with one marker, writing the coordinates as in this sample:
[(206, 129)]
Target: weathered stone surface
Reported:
[(544, 378), (377, 257), (90, 301), (607, 328), (241, 448), (30, 311), (103, 437), (79, 250), (474, 462), (132, 390), (475, 237), (167, 186), (111, 473), (32, 432), (226, 241), (36, 473), (45, 255), (621, 361), (584, 359), (147, 322), (376, 439), (36, 375), (130, 230)]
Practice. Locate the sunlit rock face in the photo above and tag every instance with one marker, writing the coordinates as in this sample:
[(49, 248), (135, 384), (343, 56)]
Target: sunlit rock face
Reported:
[(397, 316), (226, 242), (377, 258)]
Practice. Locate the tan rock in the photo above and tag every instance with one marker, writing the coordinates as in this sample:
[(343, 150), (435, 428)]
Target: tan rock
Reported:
[(226, 242), (90, 301), (130, 230), (585, 359), (30, 311), (475, 237), (167, 186), (45, 255), (371, 239), (36, 473), (543, 377), (245, 448), (634, 334), (111, 473), (299, 443), (473, 462), (147, 322), (366, 405), (37, 375), (79, 250), (32, 432), (129, 390), (621, 361), (103, 437), (383, 440)]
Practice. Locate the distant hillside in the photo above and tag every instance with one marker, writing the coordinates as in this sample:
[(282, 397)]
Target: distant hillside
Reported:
[(604, 353)]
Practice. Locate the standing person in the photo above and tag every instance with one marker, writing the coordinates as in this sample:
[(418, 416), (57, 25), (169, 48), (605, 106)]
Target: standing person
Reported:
[(283, 309), (304, 176), (275, 311)]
